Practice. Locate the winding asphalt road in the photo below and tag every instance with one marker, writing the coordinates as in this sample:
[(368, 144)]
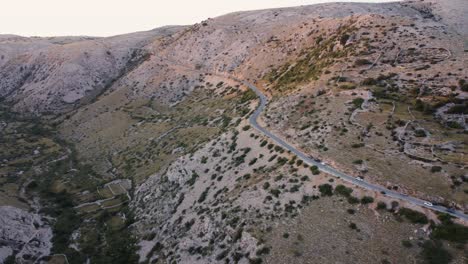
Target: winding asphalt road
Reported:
[(324, 167), (330, 170)]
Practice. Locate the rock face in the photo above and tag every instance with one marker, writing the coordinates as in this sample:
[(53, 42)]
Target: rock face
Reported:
[(49, 75), (56, 75), (376, 90), (23, 234)]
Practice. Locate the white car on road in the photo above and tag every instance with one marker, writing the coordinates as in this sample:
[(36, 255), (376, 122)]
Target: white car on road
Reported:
[(428, 204)]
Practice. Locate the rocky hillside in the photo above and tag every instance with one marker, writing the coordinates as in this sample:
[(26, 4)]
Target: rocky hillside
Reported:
[(55, 75), (138, 148)]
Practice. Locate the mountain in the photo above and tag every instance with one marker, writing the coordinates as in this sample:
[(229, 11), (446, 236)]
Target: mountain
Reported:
[(145, 147)]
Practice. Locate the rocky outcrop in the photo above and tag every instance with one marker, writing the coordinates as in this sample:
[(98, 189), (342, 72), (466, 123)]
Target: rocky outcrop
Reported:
[(26, 236)]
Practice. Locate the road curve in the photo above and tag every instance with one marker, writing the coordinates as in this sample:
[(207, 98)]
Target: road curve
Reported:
[(330, 170), (323, 167)]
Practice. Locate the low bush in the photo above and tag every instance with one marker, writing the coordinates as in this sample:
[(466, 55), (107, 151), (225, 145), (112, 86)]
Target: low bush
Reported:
[(314, 169), (343, 190), (326, 189), (362, 62), (434, 253), (369, 81), (458, 109), (358, 102), (450, 231), (414, 216), (367, 200), (419, 133), (357, 145), (348, 86), (343, 39), (353, 200), (381, 206), (406, 243)]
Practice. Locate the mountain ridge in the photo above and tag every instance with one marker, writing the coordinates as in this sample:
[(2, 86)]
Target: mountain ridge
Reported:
[(138, 147)]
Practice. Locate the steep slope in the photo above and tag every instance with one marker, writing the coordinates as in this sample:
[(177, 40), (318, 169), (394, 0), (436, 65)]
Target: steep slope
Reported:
[(148, 152), (52, 76)]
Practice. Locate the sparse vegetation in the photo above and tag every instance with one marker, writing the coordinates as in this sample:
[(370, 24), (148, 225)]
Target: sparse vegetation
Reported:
[(373, 95), (413, 216), (434, 253)]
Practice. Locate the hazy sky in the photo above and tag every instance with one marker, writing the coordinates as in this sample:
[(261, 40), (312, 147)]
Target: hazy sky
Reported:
[(111, 17)]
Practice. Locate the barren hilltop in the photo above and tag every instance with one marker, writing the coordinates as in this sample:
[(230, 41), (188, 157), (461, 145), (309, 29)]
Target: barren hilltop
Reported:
[(331, 133)]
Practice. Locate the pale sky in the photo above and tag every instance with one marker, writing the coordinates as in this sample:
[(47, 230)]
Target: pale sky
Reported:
[(111, 17)]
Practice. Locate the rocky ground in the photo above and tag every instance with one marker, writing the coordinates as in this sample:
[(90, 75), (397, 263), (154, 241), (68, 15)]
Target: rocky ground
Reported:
[(27, 234), (137, 148)]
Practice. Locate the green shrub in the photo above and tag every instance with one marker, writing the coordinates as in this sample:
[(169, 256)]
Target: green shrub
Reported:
[(344, 38), (357, 145), (454, 125), (10, 260), (464, 87), (275, 192), (451, 232), (272, 158), (326, 189), (247, 96), (367, 200), (343, 190), (66, 223), (406, 243), (423, 107), (314, 169), (413, 216), (434, 253), (252, 162), (353, 200), (369, 81), (458, 109), (381, 206), (282, 161), (263, 251), (203, 195), (419, 133), (348, 86), (357, 102)]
